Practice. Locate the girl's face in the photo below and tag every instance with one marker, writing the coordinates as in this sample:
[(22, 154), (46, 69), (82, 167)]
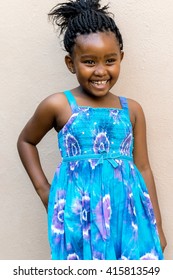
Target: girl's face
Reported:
[(96, 61)]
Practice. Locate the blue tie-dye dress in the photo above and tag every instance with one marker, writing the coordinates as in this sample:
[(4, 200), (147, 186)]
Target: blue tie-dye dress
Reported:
[(99, 206)]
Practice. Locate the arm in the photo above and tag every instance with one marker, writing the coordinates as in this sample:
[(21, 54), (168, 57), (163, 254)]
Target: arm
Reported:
[(41, 122), (142, 162)]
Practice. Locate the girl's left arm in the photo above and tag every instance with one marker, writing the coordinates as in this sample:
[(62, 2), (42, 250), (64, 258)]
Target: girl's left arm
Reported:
[(141, 160)]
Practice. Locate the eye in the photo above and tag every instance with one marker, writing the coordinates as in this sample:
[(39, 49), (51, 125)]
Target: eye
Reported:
[(89, 62), (110, 61)]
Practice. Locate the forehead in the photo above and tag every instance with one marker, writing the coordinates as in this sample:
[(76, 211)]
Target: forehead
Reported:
[(96, 42)]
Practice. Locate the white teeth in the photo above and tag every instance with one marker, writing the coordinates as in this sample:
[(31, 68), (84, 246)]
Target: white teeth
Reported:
[(99, 82)]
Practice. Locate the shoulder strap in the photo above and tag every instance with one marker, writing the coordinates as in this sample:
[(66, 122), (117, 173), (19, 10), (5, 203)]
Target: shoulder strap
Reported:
[(124, 104), (71, 99)]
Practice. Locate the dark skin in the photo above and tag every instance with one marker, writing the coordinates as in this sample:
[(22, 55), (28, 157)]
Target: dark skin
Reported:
[(97, 66)]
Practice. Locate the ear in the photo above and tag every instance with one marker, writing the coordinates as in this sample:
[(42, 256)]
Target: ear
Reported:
[(69, 63), (122, 55)]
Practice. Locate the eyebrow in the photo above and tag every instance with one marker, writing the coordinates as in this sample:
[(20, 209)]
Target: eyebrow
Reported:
[(94, 56), (111, 54)]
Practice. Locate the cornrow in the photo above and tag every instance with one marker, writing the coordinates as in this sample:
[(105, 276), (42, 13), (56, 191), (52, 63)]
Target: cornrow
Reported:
[(82, 17)]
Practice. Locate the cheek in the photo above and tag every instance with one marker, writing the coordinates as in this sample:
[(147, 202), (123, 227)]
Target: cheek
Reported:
[(84, 72), (116, 70)]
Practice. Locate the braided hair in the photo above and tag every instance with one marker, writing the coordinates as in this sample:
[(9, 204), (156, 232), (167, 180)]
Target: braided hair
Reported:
[(82, 17)]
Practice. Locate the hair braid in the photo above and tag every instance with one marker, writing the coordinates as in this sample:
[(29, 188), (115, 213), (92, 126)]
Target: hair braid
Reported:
[(82, 17)]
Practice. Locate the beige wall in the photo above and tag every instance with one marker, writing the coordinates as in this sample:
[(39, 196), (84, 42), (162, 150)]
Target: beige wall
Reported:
[(32, 67)]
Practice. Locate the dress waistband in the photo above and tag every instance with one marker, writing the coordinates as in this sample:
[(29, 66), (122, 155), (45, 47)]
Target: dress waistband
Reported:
[(111, 157)]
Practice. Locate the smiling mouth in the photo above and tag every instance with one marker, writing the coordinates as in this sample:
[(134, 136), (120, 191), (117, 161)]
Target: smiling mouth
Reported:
[(99, 82)]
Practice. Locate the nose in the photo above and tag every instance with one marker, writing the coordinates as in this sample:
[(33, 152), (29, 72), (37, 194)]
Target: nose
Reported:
[(100, 70)]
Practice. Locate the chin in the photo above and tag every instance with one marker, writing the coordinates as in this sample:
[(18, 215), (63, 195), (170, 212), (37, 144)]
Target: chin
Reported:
[(96, 92)]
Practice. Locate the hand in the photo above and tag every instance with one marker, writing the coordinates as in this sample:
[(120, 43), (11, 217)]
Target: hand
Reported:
[(162, 238)]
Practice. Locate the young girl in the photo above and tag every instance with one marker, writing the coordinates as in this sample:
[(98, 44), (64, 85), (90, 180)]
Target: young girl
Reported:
[(99, 206)]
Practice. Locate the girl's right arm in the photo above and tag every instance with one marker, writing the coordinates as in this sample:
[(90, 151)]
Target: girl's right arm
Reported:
[(42, 121)]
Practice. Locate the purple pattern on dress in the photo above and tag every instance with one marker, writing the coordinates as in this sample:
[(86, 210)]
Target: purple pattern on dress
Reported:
[(103, 215), (101, 145), (149, 207), (73, 256), (98, 255), (58, 215), (104, 207), (150, 256), (73, 149), (115, 115), (65, 129), (86, 216), (126, 144)]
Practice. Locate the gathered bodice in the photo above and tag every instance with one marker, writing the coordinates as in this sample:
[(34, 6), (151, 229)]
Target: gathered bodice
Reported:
[(94, 131)]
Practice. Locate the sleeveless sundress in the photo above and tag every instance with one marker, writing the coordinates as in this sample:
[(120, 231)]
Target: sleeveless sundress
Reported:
[(99, 207)]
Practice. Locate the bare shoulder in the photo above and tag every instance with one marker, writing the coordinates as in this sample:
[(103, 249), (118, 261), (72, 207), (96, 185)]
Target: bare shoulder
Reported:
[(54, 100), (54, 110), (136, 111), (50, 108), (52, 105), (134, 106)]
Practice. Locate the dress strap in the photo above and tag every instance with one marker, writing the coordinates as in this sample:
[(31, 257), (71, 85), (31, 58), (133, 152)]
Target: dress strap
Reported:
[(71, 100), (124, 104)]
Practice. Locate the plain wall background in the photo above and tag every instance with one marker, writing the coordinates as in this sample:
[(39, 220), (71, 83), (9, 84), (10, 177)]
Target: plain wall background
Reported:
[(32, 67)]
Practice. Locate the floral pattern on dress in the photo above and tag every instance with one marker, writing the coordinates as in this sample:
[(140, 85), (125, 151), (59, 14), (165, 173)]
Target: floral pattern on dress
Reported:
[(73, 148), (115, 114), (99, 205), (101, 145), (58, 214), (103, 216), (85, 217), (126, 144)]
